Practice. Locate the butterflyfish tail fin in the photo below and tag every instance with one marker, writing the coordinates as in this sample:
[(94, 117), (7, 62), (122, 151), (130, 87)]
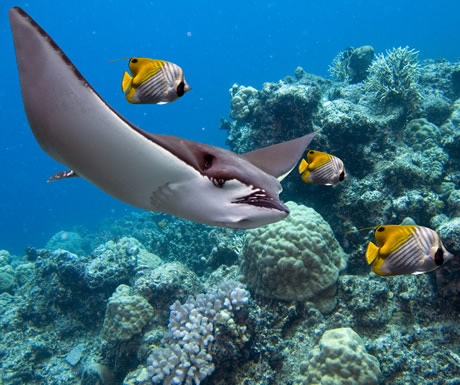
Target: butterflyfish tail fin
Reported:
[(302, 166), (371, 253), (126, 82)]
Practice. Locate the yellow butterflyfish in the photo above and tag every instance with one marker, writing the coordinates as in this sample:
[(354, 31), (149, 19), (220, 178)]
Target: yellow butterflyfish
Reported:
[(406, 249), (322, 168), (153, 81)]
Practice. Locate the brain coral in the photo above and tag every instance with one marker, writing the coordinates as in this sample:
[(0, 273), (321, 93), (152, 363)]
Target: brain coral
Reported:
[(294, 259), (341, 358)]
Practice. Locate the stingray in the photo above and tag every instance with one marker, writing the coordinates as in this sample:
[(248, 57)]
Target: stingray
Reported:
[(176, 176)]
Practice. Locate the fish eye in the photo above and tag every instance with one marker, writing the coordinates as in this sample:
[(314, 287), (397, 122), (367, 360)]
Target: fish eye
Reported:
[(342, 176), (180, 89), (311, 152), (134, 60), (439, 257), (380, 229)]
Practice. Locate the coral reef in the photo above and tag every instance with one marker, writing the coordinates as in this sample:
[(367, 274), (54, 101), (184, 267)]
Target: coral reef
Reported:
[(70, 241), (393, 78), (352, 65), (113, 263), (272, 109), (7, 273), (341, 358), (169, 237), (126, 316), (187, 359), (169, 282), (296, 259), (400, 160)]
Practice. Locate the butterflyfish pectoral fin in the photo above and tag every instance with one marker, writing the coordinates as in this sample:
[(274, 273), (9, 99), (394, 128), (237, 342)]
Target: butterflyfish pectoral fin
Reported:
[(302, 166), (371, 253), (126, 82)]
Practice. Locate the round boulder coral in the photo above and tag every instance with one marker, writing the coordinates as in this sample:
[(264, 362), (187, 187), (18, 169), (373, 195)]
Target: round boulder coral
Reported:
[(126, 316), (295, 259), (341, 358)]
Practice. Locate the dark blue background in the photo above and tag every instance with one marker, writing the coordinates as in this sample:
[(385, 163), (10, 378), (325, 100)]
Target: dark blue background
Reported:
[(245, 42)]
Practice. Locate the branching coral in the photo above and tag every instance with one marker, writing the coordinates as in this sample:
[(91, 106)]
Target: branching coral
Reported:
[(187, 358), (393, 77)]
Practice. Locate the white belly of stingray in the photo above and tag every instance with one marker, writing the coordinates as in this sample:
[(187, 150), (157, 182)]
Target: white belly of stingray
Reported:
[(199, 200)]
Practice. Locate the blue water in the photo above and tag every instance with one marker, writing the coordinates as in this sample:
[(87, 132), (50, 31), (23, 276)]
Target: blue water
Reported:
[(216, 43)]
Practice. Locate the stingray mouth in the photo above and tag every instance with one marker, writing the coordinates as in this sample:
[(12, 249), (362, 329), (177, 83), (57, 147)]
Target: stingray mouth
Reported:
[(261, 199)]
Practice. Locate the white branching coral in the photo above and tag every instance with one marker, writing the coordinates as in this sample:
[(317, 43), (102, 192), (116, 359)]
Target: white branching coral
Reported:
[(186, 359)]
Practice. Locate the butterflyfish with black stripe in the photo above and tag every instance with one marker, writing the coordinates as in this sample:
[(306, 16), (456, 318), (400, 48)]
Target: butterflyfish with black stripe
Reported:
[(406, 249), (322, 168), (153, 81)]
